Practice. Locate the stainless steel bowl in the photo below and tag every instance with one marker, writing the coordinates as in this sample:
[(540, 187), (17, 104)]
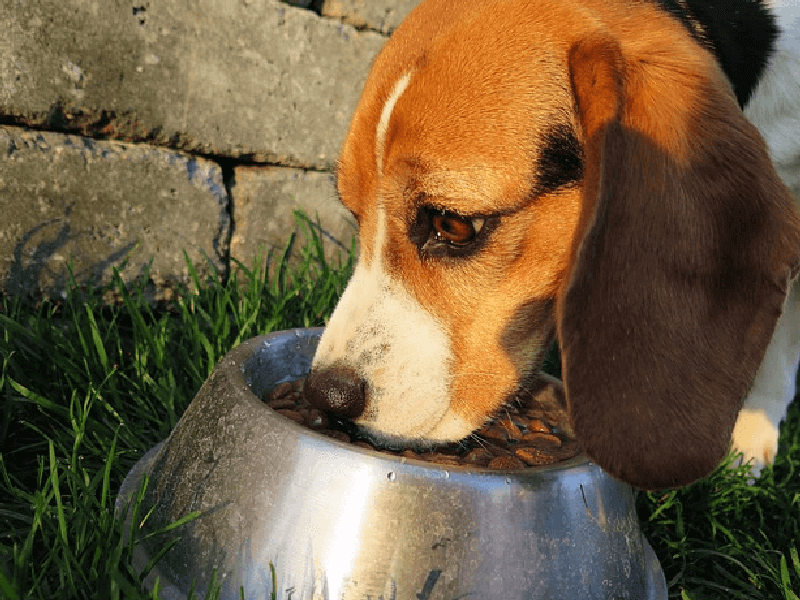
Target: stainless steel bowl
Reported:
[(327, 520)]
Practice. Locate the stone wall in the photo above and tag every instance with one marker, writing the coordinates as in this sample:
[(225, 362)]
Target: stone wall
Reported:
[(136, 130)]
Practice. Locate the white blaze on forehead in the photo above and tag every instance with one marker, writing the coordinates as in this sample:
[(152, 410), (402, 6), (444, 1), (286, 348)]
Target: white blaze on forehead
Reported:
[(399, 348), (386, 114), (380, 241)]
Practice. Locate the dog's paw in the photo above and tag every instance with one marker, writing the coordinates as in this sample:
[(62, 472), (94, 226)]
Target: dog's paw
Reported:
[(756, 437)]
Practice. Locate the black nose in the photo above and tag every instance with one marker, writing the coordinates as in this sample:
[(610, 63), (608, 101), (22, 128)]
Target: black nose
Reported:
[(337, 389)]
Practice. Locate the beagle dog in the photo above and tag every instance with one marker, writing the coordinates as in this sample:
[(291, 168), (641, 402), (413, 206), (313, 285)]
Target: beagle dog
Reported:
[(581, 170)]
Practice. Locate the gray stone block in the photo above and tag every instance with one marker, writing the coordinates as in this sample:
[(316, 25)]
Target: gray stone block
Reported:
[(265, 199), (380, 16), (97, 203), (260, 80)]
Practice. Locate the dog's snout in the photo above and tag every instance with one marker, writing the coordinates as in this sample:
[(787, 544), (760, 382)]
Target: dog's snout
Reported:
[(338, 389)]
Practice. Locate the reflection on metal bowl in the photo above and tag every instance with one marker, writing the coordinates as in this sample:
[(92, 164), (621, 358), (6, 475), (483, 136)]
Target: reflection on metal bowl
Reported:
[(327, 520)]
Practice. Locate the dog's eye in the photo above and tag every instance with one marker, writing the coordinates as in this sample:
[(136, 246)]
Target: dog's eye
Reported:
[(455, 229), (440, 233)]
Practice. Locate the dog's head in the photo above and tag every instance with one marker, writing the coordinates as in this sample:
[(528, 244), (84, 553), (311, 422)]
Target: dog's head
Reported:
[(522, 170)]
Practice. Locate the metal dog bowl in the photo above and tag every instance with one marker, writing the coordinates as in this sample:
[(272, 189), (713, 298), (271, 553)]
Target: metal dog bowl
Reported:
[(327, 520)]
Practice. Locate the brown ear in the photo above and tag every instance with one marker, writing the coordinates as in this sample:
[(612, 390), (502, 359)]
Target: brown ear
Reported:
[(683, 257)]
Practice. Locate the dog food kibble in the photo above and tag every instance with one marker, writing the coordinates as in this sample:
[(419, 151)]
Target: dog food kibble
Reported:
[(532, 430)]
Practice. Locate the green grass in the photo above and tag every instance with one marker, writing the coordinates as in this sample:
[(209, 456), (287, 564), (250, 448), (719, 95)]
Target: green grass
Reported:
[(723, 538), (87, 387)]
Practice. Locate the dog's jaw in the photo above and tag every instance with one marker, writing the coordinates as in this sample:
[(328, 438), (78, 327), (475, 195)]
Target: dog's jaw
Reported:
[(399, 350)]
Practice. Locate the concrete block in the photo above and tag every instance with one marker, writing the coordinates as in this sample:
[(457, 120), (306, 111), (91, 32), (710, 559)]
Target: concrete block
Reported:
[(260, 80), (265, 199), (380, 16), (99, 203)]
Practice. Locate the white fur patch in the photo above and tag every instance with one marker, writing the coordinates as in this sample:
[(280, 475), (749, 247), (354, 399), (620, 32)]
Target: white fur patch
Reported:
[(386, 115), (379, 330), (775, 105), (756, 432), (775, 110)]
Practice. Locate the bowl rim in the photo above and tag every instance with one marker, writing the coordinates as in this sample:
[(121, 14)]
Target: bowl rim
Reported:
[(241, 356)]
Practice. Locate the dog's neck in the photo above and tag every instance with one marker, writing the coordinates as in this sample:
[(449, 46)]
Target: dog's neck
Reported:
[(741, 33)]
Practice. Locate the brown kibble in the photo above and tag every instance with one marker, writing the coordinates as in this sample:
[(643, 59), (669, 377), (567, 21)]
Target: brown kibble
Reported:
[(533, 457), (444, 459), (553, 416), (281, 390), (537, 426), (506, 462), (283, 402), (535, 413), (523, 437), (478, 457), (496, 434), (546, 441), (497, 449)]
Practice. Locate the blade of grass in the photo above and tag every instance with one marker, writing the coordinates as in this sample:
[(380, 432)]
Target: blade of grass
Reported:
[(40, 400), (107, 474), (141, 329), (99, 347), (7, 589), (788, 594), (62, 523), (157, 557)]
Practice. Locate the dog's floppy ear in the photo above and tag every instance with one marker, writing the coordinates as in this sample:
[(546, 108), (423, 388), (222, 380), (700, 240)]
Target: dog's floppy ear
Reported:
[(685, 249)]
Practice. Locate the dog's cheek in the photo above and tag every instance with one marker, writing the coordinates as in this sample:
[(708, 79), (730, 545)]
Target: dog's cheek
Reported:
[(482, 382), (485, 373), (400, 350), (497, 327)]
